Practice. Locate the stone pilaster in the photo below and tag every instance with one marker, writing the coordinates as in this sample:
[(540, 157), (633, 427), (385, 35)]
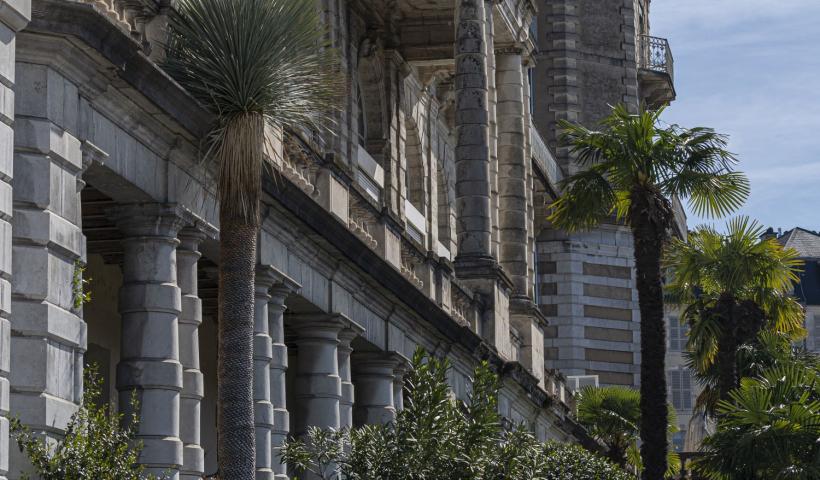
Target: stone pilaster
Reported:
[(48, 336), (373, 374), (14, 15), (403, 366), (150, 305), (278, 371), (473, 204), (193, 390), (262, 356), (512, 168), (348, 391), (318, 385)]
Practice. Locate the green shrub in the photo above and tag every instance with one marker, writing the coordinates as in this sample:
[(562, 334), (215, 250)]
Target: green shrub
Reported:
[(562, 461), (438, 438), (97, 444)]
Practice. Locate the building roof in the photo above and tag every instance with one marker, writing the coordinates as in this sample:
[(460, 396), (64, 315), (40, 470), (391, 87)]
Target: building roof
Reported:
[(806, 242)]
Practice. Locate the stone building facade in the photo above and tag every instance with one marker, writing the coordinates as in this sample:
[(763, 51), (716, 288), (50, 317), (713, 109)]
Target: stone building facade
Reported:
[(593, 54), (418, 221)]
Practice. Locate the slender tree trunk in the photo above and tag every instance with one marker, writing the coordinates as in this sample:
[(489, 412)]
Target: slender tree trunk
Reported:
[(727, 348), (235, 419), (649, 236)]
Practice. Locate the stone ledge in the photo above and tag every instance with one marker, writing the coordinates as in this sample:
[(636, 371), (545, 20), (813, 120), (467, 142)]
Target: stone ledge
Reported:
[(15, 13), (84, 22)]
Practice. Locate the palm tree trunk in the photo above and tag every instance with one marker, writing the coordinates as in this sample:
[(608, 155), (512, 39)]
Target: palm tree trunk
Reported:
[(236, 444), (649, 235), (727, 348)]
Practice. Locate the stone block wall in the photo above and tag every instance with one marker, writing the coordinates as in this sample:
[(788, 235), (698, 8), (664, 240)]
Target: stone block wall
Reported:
[(47, 249), (14, 15), (586, 63)]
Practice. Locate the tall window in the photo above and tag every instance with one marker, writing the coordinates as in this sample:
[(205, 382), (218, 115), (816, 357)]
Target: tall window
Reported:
[(680, 387), (677, 335)]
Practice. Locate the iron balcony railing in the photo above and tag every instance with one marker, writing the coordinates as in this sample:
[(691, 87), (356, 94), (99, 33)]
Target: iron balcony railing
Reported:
[(654, 54)]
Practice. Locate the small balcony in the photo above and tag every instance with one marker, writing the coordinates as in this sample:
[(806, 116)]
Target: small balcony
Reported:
[(656, 72)]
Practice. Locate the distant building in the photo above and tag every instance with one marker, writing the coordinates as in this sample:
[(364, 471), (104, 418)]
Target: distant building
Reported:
[(680, 381), (807, 244)]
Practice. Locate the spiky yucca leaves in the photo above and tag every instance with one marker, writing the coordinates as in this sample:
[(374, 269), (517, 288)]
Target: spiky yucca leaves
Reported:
[(630, 168), (258, 66), (732, 287), (252, 63), (768, 428)]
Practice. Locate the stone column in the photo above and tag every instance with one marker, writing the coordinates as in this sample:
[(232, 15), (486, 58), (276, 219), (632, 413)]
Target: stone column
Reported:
[(348, 391), (47, 247), (374, 376), (473, 204), (262, 356), (278, 371), (190, 318), (150, 305), (512, 168), (14, 16), (318, 385), (403, 366)]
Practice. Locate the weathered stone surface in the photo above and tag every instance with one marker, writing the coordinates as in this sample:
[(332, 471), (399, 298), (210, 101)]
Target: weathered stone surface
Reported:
[(150, 306)]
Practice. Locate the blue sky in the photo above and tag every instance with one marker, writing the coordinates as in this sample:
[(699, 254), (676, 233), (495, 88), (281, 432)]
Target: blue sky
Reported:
[(751, 69)]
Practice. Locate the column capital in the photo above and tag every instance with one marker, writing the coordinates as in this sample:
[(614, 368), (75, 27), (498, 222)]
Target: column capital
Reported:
[(149, 219), (314, 322), (279, 284), (190, 237), (349, 333), (381, 362), (509, 49)]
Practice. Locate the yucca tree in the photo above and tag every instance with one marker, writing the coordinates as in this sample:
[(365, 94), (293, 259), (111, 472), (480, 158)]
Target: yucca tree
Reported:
[(629, 170), (258, 66), (767, 428), (613, 416), (732, 287)]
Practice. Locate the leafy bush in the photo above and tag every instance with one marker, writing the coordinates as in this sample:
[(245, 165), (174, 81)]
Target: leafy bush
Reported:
[(97, 444), (562, 461), (438, 438)]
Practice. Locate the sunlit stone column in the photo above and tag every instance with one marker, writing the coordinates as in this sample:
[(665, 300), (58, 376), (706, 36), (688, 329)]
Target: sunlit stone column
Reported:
[(150, 304), (374, 377), (348, 391), (193, 456), (472, 156), (318, 385), (512, 170), (278, 371), (402, 367), (14, 16), (262, 356)]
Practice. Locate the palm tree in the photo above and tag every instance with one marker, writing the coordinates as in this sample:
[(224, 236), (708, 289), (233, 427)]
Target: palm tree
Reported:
[(258, 66), (733, 287), (613, 416), (767, 428), (630, 169)]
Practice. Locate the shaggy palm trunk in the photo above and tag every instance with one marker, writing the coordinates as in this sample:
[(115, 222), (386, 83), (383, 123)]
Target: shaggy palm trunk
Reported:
[(727, 347), (235, 377), (649, 231), (241, 156)]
